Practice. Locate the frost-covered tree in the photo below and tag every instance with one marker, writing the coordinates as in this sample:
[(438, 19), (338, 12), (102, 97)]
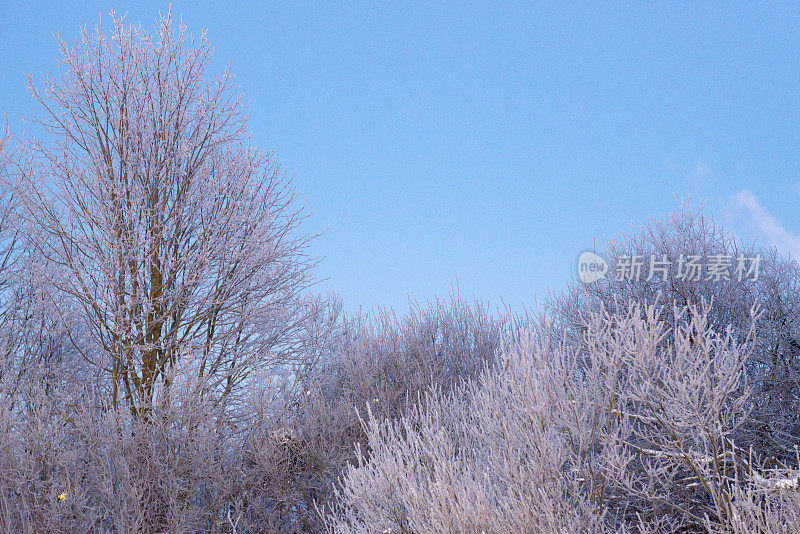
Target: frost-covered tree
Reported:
[(160, 227), (9, 236), (691, 233)]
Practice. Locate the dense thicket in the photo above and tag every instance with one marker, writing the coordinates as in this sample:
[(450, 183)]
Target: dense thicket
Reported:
[(660, 405)]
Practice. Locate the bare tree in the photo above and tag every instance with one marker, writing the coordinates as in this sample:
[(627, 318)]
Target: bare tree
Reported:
[(774, 367), (9, 236), (172, 236)]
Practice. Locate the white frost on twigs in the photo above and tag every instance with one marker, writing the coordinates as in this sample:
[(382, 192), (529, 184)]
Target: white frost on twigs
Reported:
[(778, 484)]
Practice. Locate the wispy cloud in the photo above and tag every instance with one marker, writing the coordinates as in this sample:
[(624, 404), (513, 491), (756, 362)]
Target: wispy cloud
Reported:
[(772, 230), (701, 170)]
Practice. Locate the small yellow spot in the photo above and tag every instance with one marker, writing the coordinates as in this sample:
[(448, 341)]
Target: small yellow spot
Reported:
[(63, 496), (376, 400), (308, 392)]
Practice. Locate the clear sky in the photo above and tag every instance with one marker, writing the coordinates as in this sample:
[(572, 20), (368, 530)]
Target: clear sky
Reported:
[(489, 144)]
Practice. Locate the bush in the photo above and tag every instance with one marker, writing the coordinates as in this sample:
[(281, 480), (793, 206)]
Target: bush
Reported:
[(773, 369), (633, 428), (379, 360)]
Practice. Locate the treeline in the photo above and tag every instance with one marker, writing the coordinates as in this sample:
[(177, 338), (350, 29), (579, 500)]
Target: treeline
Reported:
[(166, 367)]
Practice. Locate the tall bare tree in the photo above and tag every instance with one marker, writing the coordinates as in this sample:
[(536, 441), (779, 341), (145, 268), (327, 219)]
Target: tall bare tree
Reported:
[(172, 236)]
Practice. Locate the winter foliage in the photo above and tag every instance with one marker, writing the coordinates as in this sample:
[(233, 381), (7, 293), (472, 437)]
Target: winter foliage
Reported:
[(166, 367)]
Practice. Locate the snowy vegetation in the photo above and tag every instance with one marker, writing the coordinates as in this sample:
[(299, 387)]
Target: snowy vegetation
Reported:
[(164, 366)]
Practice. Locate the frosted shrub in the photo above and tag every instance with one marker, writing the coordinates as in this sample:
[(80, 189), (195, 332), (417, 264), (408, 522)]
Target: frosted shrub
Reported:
[(773, 368), (382, 360), (634, 428), (763, 511)]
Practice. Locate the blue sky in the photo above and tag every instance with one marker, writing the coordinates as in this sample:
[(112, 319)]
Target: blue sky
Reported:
[(489, 144)]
